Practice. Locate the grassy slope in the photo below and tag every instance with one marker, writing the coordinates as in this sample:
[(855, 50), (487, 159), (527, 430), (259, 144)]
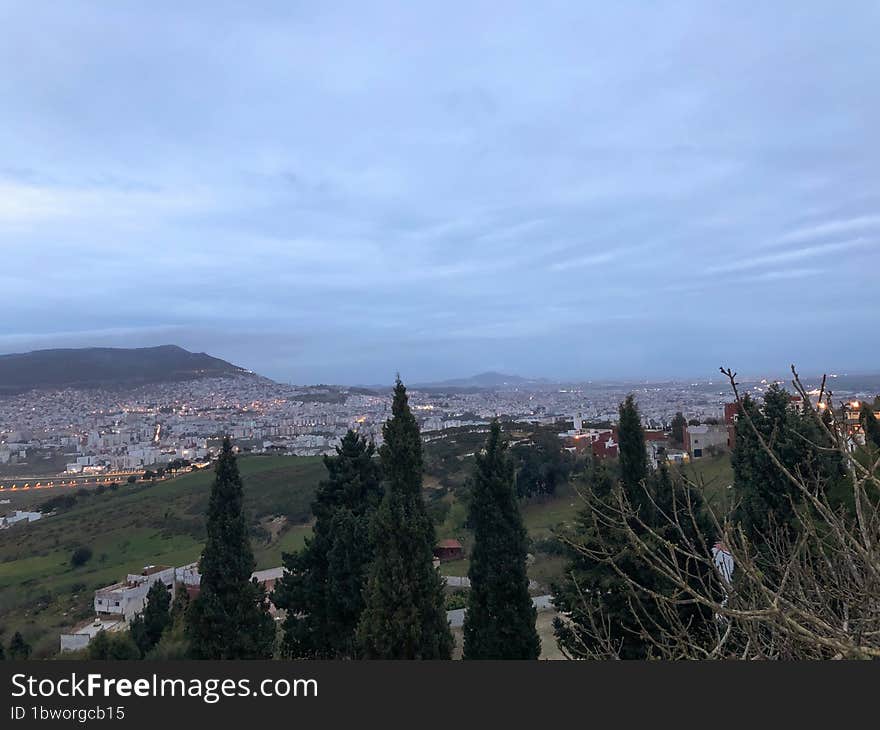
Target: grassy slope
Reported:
[(40, 593), (714, 476)]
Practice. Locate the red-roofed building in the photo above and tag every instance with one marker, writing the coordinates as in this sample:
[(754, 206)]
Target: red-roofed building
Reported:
[(605, 446), (446, 550)]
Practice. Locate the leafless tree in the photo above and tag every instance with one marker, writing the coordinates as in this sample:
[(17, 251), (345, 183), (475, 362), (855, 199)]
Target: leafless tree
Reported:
[(810, 591)]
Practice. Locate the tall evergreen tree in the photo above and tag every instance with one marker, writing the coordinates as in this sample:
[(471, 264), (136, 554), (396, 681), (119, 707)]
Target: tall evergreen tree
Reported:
[(173, 644), (500, 618), (147, 628), (229, 619), (323, 588), (404, 616), (631, 445)]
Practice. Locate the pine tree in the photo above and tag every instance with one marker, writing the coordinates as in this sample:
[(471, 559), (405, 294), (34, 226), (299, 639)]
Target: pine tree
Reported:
[(19, 649), (404, 616), (147, 627), (229, 619), (500, 618), (323, 588)]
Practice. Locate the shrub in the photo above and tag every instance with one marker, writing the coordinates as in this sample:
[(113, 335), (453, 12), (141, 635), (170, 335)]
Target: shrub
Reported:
[(80, 556)]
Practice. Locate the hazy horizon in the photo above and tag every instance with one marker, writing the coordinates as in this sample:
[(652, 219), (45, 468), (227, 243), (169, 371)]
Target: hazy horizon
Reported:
[(701, 378), (335, 194)]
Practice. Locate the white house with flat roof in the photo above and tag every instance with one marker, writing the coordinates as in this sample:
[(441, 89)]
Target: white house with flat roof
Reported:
[(81, 635), (128, 598)]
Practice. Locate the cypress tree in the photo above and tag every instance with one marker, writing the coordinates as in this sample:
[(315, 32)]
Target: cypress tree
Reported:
[(404, 616), (147, 628), (229, 619), (633, 455), (500, 618), (173, 643), (322, 590)]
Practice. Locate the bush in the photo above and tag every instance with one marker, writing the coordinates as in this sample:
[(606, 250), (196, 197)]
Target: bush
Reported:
[(456, 599), (61, 502), (115, 647), (81, 556)]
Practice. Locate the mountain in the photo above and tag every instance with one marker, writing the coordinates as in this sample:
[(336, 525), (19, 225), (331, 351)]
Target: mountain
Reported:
[(95, 367), (483, 381)]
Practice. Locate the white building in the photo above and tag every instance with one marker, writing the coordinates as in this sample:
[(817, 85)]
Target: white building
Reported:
[(128, 598), (81, 635), (19, 516)]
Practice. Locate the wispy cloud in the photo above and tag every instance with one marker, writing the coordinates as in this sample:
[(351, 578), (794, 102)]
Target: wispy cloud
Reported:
[(791, 255), (830, 228), (580, 262), (783, 275)]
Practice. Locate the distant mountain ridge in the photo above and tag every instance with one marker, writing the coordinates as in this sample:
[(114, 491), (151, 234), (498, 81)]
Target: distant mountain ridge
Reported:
[(95, 367)]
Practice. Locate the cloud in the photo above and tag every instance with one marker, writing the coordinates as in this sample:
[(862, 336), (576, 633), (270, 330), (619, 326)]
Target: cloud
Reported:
[(23, 206), (792, 255), (830, 228), (565, 184)]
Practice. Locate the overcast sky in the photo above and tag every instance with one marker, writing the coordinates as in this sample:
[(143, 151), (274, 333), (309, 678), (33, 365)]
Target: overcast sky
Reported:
[(331, 192)]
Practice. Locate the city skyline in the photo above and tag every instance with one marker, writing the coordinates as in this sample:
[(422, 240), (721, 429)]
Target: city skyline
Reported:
[(336, 194)]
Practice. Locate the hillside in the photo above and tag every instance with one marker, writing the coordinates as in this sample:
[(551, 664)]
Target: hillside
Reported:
[(164, 523), (107, 367)]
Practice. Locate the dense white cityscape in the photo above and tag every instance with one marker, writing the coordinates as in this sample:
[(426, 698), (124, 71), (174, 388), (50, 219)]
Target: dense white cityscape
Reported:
[(83, 431)]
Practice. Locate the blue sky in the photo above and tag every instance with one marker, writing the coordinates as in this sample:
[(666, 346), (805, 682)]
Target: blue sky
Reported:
[(336, 191)]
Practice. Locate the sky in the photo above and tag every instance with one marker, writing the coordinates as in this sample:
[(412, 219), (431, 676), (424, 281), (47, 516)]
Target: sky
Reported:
[(334, 192)]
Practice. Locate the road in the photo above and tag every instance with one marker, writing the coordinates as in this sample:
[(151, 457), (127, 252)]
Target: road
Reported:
[(456, 617), (457, 581)]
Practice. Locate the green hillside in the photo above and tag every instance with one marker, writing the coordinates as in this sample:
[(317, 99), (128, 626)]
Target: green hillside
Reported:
[(41, 593)]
